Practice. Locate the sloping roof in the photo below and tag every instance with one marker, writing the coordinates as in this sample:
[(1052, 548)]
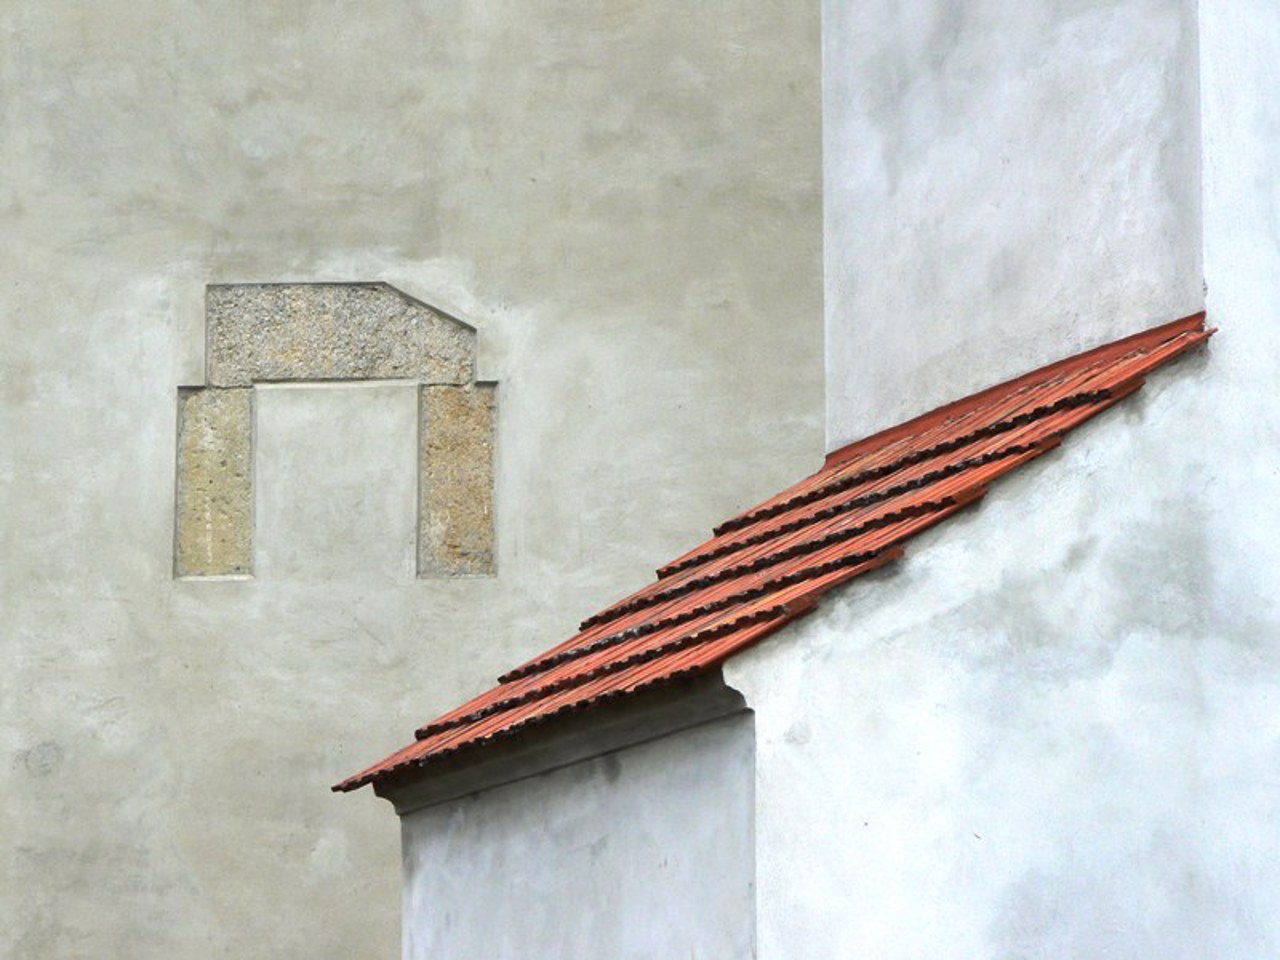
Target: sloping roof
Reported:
[(769, 565)]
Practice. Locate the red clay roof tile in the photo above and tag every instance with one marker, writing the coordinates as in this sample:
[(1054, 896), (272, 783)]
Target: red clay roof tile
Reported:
[(769, 565)]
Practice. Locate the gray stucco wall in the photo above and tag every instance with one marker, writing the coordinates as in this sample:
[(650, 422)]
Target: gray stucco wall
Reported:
[(622, 197), (639, 854), (1005, 183), (1052, 730)]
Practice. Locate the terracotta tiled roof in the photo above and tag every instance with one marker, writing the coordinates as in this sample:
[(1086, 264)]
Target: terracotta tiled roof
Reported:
[(769, 565)]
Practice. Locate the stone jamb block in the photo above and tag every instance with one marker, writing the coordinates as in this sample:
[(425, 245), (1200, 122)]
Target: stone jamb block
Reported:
[(455, 480), (213, 533)]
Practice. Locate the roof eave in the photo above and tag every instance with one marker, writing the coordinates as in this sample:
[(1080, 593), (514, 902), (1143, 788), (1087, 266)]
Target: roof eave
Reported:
[(563, 740)]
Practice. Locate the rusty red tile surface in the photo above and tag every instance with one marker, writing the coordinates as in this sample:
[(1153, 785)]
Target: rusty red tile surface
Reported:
[(770, 564)]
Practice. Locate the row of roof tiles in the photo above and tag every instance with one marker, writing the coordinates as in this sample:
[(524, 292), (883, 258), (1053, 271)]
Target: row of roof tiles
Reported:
[(770, 564)]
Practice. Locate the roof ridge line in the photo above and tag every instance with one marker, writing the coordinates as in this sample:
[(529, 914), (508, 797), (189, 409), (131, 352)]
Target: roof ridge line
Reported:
[(1140, 344), (724, 603), (680, 642), (1150, 338), (798, 549), (845, 506), (1193, 337), (928, 479), (1004, 425)]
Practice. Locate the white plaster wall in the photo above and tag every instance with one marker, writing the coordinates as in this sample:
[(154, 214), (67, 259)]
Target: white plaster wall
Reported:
[(623, 197), (1053, 730), (642, 854), (1005, 183)]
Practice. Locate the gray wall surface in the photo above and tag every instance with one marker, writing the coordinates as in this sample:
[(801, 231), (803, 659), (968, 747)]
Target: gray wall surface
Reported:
[(1052, 730), (624, 199), (641, 854), (1005, 183)]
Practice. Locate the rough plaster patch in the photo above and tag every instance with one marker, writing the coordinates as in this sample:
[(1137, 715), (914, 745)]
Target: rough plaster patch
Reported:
[(42, 759), (455, 518), (214, 511), (331, 331)]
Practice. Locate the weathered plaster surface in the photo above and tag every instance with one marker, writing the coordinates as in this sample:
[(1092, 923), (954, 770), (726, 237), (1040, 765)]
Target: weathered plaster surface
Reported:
[(214, 509), (331, 331), (1005, 183), (455, 509), (623, 198), (638, 854), (1051, 731), (321, 517)]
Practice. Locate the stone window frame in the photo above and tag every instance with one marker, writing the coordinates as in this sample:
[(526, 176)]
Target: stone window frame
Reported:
[(263, 333)]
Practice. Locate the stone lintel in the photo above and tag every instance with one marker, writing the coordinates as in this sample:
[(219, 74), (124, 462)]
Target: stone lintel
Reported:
[(330, 331)]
